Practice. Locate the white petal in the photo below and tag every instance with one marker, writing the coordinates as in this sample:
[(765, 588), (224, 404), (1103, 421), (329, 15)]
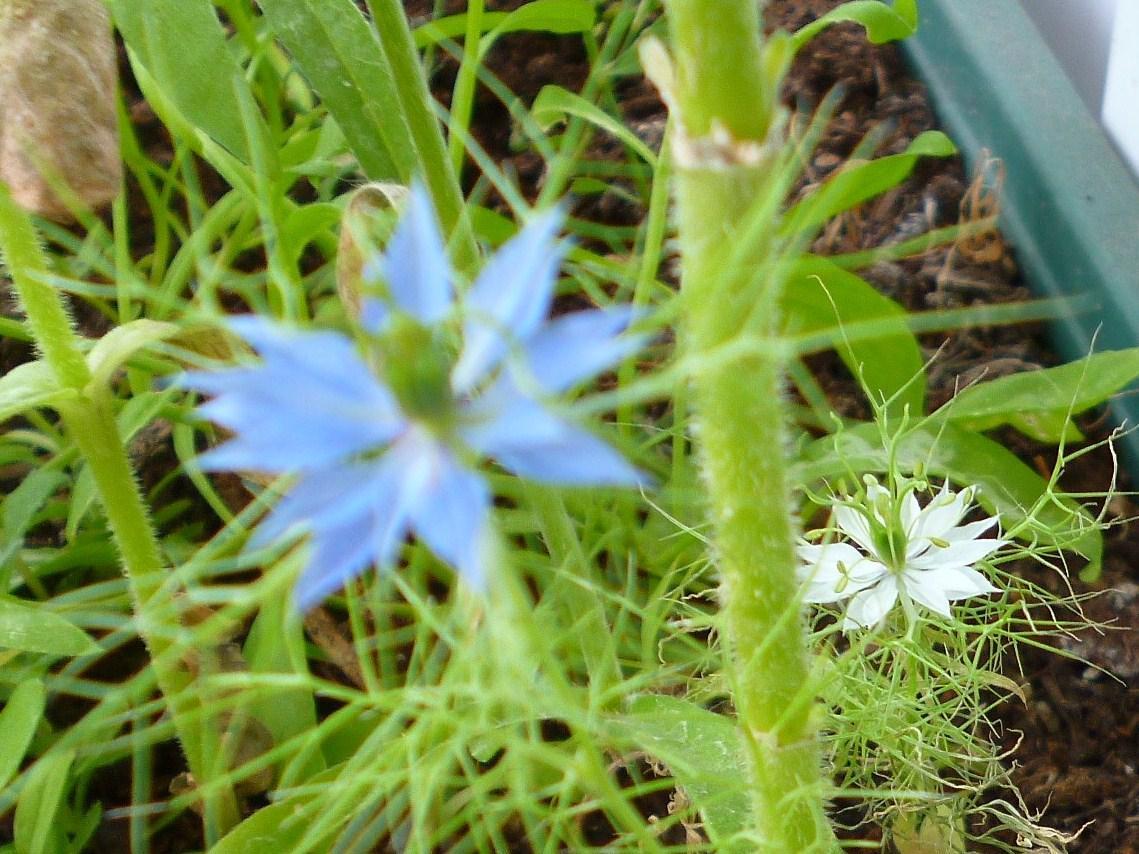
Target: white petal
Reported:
[(957, 554), (942, 513), (852, 523), (827, 581), (968, 532), (869, 607), (957, 582), (911, 512), (923, 588)]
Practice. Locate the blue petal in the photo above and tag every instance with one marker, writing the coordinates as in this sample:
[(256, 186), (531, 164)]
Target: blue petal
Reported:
[(336, 556), (325, 358), (374, 314), (578, 346), (325, 499), (279, 436), (357, 514), (310, 402), (415, 264), (532, 442), (452, 519), (509, 299)]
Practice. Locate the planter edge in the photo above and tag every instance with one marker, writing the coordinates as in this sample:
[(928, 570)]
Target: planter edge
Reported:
[(1070, 206)]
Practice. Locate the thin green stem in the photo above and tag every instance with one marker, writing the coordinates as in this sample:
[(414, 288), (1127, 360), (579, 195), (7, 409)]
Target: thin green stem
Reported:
[(46, 316), (410, 85)]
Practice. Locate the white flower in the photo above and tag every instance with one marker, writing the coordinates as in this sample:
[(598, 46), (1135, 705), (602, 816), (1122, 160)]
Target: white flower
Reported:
[(922, 553)]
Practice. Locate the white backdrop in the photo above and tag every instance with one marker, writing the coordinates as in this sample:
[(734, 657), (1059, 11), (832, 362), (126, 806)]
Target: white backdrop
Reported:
[(1121, 101), (1097, 41)]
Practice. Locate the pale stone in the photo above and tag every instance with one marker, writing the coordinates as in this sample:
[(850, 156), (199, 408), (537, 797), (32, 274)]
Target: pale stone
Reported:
[(58, 122)]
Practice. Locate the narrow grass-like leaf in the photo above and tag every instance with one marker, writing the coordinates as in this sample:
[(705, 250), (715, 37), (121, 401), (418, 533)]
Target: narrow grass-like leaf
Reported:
[(1038, 402), (858, 181), (820, 295), (453, 27), (561, 17), (554, 103), (35, 629), (339, 54), (18, 721), (882, 23), (22, 504), (35, 822)]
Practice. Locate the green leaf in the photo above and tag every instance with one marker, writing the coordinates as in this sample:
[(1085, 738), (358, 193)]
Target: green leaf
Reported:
[(858, 181), (561, 17), (1005, 484), (22, 504), (277, 827), (342, 59), (35, 822), (453, 27), (702, 751), (182, 47), (275, 642), (32, 628), (115, 348), (1038, 402), (29, 386), (822, 296), (882, 23), (554, 103), (304, 224), (18, 722), (283, 825)]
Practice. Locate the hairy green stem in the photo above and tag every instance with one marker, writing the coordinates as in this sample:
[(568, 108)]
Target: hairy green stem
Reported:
[(725, 151), (90, 422)]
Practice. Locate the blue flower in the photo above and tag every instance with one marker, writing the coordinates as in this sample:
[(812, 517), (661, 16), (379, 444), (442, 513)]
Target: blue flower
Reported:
[(388, 440)]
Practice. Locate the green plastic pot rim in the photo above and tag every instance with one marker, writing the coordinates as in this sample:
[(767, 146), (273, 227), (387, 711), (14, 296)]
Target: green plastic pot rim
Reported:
[(1070, 207)]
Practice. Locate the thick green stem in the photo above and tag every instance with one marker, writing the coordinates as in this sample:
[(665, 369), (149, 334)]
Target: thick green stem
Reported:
[(719, 67), (415, 98), (724, 170), (90, 422)]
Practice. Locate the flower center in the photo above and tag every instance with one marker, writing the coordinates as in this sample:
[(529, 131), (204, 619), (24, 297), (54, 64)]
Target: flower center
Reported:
[(889, 536), (893, 547), (417, 368)]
